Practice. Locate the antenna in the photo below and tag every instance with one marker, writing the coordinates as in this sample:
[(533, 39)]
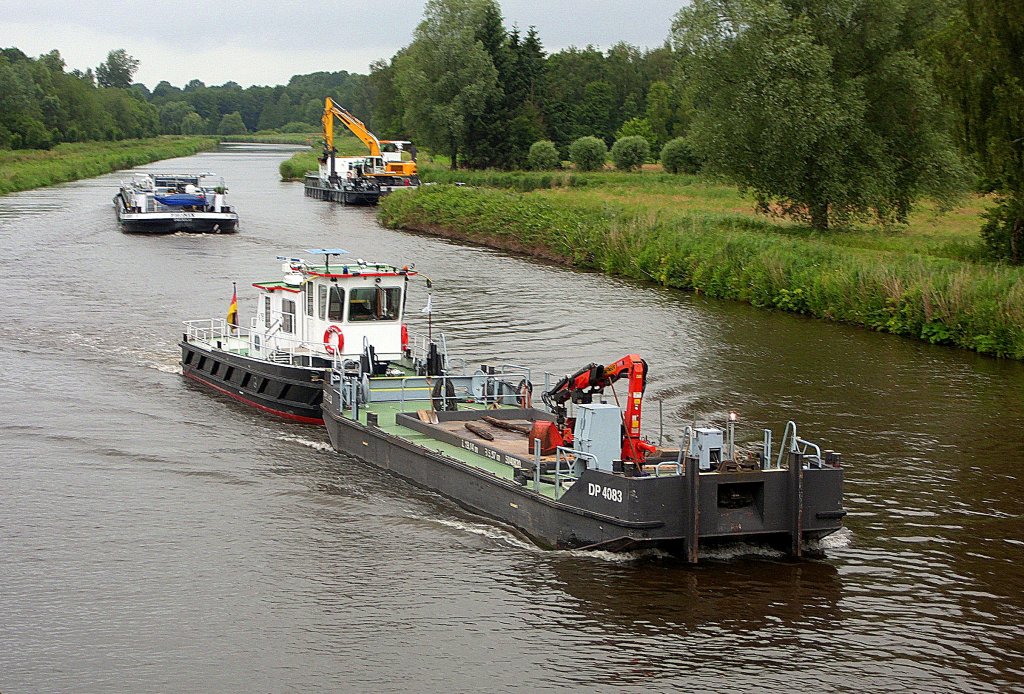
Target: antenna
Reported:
[(327, 253)]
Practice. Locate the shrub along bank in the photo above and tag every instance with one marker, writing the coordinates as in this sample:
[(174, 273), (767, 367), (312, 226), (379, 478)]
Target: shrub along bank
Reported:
[(938, 299), (24, 169)]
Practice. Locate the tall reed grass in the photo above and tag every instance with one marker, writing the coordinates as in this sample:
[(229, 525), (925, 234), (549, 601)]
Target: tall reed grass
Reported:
[(939, 300)]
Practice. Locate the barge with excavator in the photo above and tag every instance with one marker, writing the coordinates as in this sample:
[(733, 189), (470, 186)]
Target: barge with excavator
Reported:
[(574, 472), (359, 180)]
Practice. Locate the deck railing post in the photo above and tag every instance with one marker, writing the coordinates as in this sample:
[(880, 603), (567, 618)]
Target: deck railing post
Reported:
[(536, 465), (796, 499), (692, 519)]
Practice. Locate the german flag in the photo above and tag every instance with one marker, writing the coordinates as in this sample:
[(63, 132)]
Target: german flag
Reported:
[(233, 308)]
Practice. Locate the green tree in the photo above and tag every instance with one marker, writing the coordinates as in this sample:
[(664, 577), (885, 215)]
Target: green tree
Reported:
[(117, 70), (446, 75), (639, 127), (981, 68), (171, 116), (487, 133), (387, 101), (543, 156), (193, 124), (588, 153), (629, 153), (231, 124), (660, 112), (595, 113), (820, 107)]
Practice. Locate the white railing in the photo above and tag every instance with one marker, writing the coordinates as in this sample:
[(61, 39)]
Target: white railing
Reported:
[(263, 343)]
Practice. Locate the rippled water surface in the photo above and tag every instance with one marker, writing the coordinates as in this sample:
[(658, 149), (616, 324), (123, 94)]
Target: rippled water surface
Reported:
[(154, 537)]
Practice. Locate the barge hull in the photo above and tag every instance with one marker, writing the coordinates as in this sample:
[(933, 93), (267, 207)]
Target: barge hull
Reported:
[(172, 222), (675, 513), (314, 188)]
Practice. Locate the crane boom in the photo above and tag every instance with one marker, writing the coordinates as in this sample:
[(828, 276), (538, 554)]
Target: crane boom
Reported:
[(332, 111), (378, 167), (594, 378)]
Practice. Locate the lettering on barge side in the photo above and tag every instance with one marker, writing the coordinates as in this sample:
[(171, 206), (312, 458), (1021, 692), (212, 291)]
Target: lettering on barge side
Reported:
[(609, 493)]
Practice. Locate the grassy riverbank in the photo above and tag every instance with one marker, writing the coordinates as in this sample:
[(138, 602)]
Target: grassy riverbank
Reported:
[(294, 168), (274, 138), (24, 169), (925, 282)]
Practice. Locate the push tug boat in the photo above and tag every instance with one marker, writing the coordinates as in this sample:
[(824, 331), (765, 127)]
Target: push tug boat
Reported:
[(158, 203), (577, 474), (304, 323)]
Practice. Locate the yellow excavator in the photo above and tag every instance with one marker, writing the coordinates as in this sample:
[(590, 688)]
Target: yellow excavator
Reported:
[(384, 166)]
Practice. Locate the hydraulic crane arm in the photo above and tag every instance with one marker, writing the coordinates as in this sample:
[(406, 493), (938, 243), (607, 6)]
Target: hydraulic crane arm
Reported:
[(594, 378), (332, 111)]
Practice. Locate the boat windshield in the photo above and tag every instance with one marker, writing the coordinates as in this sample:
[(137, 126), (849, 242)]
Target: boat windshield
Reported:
[(374, 303)]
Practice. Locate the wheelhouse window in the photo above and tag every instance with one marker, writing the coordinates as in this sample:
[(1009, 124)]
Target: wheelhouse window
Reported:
[(287, 316), (336, 304), (310, 298), (266, 312), (374, 303), (322, 301)]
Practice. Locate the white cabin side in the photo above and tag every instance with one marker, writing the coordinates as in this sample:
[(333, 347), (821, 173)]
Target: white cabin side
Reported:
[(306, 311)]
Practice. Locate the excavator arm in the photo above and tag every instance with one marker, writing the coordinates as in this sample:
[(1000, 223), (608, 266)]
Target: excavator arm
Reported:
[(581, 386), (379, 168), (332, 111)]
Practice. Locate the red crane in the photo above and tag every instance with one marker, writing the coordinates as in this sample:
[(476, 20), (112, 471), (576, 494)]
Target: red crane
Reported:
[(581, 387)]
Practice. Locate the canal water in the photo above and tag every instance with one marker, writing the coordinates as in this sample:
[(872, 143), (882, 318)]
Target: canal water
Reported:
[(155, 537)]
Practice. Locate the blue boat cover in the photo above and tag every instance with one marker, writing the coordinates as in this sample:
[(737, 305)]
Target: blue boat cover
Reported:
[(181, 199)]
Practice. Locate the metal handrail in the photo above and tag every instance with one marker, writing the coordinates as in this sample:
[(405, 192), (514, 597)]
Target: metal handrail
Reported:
[(677, 465), (790, 425), (563, 451), (808, 444)]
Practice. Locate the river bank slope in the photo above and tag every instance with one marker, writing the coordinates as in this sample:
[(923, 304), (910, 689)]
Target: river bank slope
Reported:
[(24, 169), (927, 282)]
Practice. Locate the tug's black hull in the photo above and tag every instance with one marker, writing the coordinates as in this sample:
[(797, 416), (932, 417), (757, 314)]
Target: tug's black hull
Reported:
[(612, 512), (291, 392)]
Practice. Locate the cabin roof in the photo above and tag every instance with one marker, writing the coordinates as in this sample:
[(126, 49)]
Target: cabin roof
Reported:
[(341, 270), (274, 286)]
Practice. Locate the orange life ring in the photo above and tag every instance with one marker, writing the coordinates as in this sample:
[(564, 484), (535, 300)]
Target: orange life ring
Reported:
[(333, 330)]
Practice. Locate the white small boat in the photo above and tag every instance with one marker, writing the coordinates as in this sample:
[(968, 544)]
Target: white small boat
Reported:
[(157, 203)]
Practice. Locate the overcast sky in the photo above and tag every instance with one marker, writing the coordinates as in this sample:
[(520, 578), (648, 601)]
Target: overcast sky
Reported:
[(264, 42)]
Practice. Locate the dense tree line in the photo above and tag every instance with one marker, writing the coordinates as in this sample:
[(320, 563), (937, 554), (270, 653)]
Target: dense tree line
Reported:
[(42, 105), (483, 94), (229, 109)]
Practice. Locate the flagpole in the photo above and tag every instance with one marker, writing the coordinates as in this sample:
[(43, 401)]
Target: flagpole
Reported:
[(234, 303)]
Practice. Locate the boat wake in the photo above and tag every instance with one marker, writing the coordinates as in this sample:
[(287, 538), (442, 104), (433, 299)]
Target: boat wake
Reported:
[(739, 550), (840, 539), (321, 446), (616, 557), (490, 532)]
